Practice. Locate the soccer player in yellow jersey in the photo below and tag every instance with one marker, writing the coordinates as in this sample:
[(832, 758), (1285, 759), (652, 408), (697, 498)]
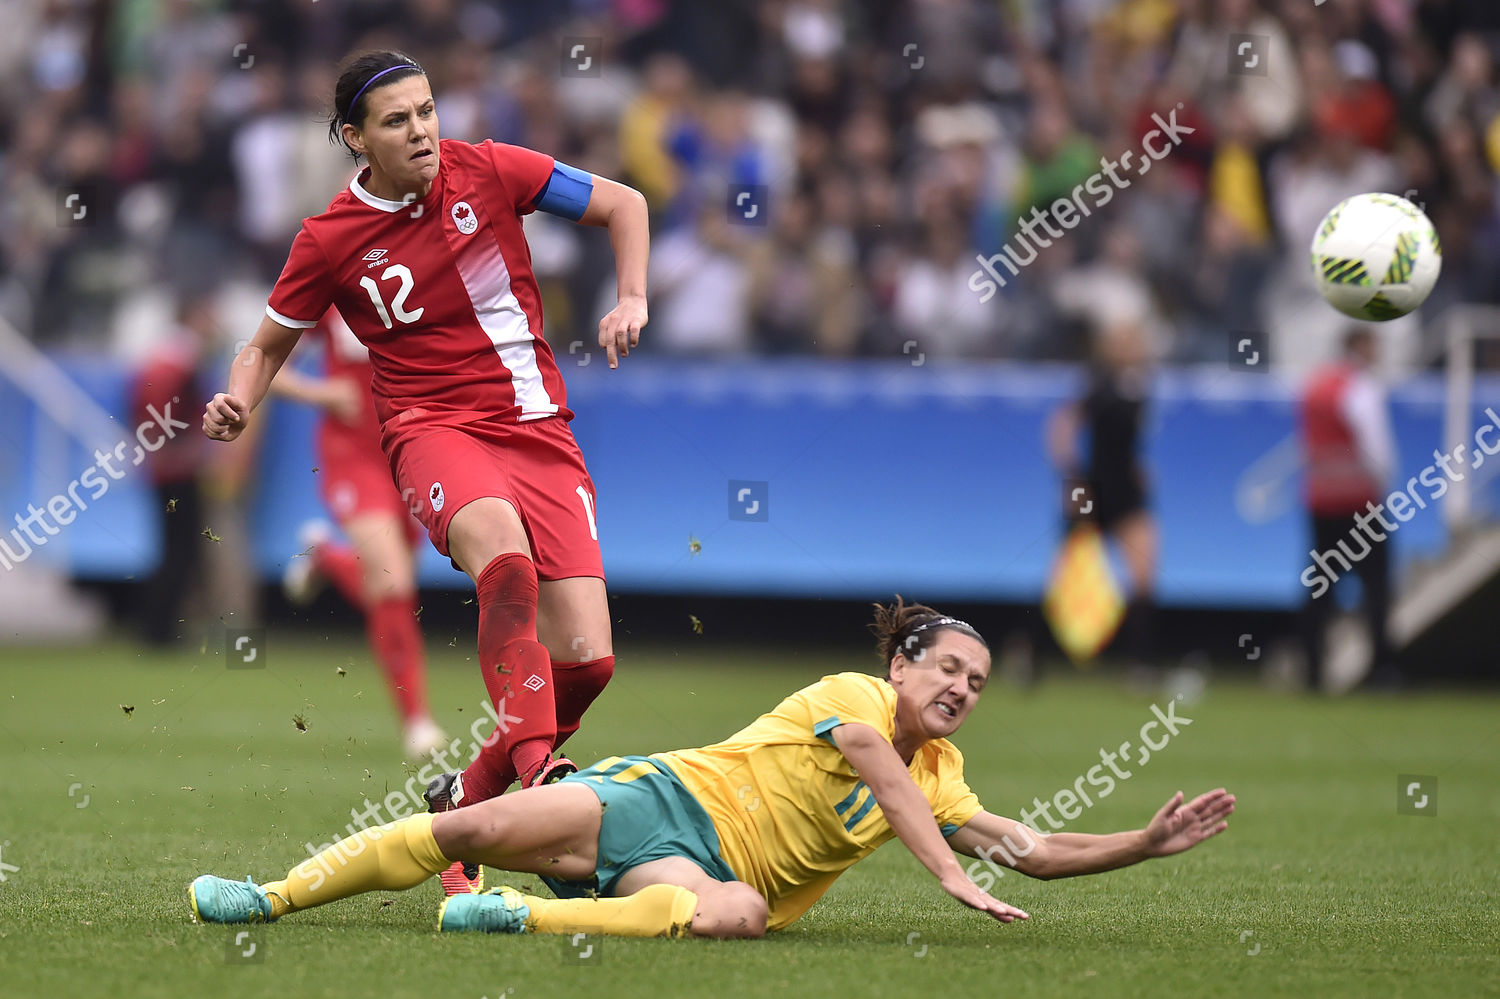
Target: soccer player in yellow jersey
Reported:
[(743, 836)]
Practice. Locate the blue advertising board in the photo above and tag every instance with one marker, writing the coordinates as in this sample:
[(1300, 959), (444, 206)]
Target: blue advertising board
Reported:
[(809, 478)]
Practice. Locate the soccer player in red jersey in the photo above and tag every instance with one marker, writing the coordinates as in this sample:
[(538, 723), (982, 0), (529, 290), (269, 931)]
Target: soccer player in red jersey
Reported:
[(425, 258), (376, 572)]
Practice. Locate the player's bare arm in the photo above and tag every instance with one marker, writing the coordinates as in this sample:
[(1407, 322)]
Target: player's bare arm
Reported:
[(1175, 827), (910, 815), (622, 210), (250, 376), (341, 398)]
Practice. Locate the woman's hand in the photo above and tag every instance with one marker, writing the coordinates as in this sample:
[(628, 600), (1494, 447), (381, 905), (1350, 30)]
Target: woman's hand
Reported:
[(970, 894), (225, 417), (1177, 827), (621, 329)]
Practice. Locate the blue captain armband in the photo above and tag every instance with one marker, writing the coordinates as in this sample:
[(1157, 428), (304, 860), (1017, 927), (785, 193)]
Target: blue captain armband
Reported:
[(566, 193)]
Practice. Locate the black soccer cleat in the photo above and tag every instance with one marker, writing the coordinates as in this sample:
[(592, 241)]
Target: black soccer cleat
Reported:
[(445, 792)]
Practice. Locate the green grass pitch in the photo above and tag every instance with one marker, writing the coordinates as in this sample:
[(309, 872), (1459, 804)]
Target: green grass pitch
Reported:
[(1319, 888)]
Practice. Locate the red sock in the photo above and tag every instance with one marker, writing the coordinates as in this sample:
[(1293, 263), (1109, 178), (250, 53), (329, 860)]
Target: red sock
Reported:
[(339, 565), (396, 639), (577, 685), (518, 675)]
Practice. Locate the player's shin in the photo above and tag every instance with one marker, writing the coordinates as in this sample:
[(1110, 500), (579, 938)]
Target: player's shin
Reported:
[(526, 723), (396, 638), (338, 564), (517, 674), (654, 911), (578, 684), (391, 857)]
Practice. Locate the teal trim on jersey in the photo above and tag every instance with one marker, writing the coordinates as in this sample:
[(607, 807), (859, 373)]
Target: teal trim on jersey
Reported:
[(948, 829), (824, 727), (864, 810), (848, 802)]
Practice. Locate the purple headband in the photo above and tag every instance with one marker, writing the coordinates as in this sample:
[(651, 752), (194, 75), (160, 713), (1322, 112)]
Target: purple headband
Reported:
[(357, 96)]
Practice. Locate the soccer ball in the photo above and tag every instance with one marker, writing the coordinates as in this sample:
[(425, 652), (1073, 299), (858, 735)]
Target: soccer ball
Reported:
[(1376, 257)]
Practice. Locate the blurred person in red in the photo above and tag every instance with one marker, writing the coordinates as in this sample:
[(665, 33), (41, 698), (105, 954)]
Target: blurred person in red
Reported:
[(1356, 103), (376, 572), (172, 381), (1350, 455)]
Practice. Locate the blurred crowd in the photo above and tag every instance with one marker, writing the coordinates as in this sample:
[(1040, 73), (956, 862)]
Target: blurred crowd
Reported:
[(172, 146)]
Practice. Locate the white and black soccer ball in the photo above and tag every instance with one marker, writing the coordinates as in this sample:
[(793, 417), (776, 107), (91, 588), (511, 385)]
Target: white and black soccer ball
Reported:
[(1376, 257)]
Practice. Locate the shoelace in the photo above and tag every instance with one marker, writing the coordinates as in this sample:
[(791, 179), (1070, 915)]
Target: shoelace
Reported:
[(241, 897), (493, 918)]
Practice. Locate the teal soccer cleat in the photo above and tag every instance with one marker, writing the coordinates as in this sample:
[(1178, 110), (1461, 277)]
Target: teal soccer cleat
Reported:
[(499, 911), (220, 900)]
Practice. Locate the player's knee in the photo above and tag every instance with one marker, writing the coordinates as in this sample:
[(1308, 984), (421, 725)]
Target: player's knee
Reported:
[(377, 587), (731, 911), (483, 531)]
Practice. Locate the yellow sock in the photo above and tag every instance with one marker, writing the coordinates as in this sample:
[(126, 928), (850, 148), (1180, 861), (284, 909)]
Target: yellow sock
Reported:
[(397, 855), (654, 911)]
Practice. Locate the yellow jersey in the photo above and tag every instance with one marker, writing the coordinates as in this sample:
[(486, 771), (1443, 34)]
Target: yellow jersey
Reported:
[(790, 812)]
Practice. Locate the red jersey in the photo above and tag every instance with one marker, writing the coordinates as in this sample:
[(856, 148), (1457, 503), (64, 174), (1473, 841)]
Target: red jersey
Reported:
[(168, 378), (440, 289), (1337, 480)]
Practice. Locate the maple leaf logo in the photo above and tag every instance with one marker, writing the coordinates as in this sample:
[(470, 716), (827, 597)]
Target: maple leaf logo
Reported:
[(464, 218)]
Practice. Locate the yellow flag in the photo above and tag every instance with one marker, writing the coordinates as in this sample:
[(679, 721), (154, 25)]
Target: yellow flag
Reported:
[(1083, 604)]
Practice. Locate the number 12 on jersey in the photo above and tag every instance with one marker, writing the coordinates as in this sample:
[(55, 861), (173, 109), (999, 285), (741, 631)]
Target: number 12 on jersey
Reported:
[(398, 305)]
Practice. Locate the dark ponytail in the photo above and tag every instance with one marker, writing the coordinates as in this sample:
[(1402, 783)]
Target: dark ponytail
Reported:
[(351, 96), (911, 629)]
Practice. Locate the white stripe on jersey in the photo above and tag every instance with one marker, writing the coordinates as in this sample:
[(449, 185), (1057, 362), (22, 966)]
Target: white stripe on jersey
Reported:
[(504, 321), (296, 324)]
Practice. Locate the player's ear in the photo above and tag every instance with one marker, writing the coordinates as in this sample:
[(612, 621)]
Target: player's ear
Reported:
[(352, 138)]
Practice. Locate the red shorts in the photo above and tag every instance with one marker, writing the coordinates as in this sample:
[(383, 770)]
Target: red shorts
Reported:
[(355, 479), (535, 466)]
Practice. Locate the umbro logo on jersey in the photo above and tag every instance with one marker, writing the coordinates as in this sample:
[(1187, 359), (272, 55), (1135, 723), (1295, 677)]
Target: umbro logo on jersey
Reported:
[(375, 258), (464, 217)]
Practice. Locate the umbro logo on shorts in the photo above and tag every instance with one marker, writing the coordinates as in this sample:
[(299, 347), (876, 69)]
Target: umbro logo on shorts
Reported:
[(435, 495), (534, 682)]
